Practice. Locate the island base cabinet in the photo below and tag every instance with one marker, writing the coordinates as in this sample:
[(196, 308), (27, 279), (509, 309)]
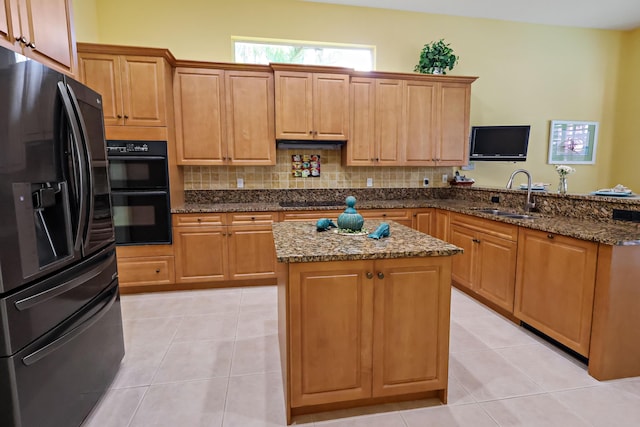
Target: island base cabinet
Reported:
[(555, 282), (366, 331)]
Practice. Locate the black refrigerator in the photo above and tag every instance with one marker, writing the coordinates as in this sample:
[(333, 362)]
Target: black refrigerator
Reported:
[(61, 339)]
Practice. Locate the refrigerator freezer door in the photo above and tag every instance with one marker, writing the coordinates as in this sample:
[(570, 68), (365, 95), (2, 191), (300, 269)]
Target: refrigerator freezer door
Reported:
[(56, 380)]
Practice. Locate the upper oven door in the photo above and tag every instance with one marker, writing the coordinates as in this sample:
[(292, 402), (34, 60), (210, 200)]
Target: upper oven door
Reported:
[(136, 165)]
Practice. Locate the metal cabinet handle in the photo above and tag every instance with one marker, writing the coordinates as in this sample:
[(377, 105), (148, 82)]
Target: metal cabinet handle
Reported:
[(253, 218), (199, 219), (157, 270), (369, 275), (310, 132), (119, 116), (550, 236), (377, 159), (380, 275), (32, 45), (21, 39), (126, 117), (475, 240)]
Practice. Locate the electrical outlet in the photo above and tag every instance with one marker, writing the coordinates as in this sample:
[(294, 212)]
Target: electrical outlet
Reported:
[(425, 182), (240, 183), (369, 182), (445, 177)]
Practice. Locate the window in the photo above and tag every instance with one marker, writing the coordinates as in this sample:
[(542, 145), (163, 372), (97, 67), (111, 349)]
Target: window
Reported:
[(264, 51)]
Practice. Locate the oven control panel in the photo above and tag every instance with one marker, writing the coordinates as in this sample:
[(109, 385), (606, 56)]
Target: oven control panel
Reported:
[(137, 148)]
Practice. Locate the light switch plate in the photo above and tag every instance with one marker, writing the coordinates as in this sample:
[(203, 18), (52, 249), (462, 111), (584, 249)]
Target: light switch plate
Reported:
[(240, 183), (445, 177), (425, 182), (369, 182)]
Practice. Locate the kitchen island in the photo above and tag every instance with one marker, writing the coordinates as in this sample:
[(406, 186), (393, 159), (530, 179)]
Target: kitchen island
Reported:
[(361, 321)]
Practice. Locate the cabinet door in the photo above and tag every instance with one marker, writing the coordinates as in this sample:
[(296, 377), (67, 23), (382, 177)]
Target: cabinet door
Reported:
[(330, 331), (555, 281), (252, 253), (46, 24), (102, 73), (420, 123), (361, 149), (422, 220), (200, 254), (463, 265), (143, 95), (331, 106), (388, 126), (452, 147), (199, 109), (7, 31), (294, 105), (496, 276), (250, 118), (441, 219), (411, 325)]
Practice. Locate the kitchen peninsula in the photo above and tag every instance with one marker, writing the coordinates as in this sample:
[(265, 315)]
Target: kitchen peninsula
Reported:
[(361, 321)]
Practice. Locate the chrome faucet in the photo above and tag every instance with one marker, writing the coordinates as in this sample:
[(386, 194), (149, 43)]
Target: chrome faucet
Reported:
[(530, 205)]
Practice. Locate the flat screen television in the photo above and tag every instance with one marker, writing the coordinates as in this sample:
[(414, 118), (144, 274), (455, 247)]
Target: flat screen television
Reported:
[(499, 143)]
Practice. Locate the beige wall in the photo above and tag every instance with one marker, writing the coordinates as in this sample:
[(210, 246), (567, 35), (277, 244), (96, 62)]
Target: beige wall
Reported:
[(86, 20), (528, 74), (626, 161)]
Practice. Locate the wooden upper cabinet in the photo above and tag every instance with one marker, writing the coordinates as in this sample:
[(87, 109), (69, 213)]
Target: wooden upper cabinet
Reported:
[(361, 148), (200, 121), (132, 87), (452, 140), (376, 115), (420, 122), (388, 124), (224, 117), (330, 106), (250, 118), (311, 105), (408, 120), (41, 30)]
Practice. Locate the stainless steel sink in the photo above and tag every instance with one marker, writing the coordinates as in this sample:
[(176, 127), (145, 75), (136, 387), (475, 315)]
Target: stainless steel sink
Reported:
[(505, 214)]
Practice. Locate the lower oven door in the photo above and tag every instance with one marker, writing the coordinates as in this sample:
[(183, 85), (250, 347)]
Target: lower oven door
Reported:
[(141, 217)]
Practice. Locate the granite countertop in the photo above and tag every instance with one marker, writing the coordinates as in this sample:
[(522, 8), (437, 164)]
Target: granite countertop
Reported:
[(301, 242), (610, 233)]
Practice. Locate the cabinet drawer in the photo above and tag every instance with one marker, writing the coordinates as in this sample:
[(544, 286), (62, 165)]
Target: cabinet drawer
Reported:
[(187, 220), (252, 218), (146, 271), (309, 215), (494, 228), (401, 216)]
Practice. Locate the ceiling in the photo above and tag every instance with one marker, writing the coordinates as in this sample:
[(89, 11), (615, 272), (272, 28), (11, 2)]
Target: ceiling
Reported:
[(604, 14)]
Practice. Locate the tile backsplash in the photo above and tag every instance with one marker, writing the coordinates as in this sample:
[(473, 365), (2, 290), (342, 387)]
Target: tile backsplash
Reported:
[(333, 175)]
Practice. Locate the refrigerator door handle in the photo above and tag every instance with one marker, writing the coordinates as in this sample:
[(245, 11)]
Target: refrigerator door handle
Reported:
[(87, 151), (82, 166), (73, 330), (33, 300)]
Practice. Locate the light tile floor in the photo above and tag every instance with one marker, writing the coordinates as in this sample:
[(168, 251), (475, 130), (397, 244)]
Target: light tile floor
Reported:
[(210, 358)]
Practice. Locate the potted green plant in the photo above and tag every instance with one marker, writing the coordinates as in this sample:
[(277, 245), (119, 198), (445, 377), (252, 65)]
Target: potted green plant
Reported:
[(436, 58)]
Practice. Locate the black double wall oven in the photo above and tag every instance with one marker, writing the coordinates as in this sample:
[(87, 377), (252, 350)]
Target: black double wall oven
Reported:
[(140, 192)]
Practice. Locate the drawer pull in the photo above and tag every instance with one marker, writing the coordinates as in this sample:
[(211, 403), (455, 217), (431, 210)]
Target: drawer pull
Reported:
[(550, 236), (157, 270), (253, 218), (380, 275), (475, 240)]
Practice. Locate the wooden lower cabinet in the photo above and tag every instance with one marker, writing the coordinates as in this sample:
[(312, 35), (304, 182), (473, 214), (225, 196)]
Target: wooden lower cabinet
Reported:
[(145, 266), (423, 220), (555, 285), (488, 265), (440, 224), (224, 247), (367, 329), (401, 216)]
